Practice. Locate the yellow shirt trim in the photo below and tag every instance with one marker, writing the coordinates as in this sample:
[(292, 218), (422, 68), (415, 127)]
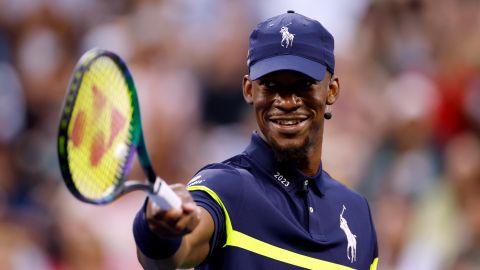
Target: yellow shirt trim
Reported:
[(373, 266)]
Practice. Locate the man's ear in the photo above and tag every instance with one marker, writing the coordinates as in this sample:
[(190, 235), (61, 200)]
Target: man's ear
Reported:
[(247, 89), (333, 90)]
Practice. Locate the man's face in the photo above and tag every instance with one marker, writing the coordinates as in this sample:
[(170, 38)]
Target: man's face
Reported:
[(289, 108)]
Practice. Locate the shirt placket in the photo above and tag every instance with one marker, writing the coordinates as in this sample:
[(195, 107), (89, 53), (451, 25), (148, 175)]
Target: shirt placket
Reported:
[(314, 216)]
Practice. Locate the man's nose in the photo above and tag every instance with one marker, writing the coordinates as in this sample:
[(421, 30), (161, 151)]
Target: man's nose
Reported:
[(287, 101)]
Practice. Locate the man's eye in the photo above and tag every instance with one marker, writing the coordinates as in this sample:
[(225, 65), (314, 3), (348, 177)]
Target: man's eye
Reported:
[(269, 84), (307, 83)]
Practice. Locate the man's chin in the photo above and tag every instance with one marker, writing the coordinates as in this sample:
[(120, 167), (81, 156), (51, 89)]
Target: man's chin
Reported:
[(290, 153)]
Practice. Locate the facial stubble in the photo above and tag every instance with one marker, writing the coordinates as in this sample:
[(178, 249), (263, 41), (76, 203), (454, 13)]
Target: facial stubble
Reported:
[(295, 156)]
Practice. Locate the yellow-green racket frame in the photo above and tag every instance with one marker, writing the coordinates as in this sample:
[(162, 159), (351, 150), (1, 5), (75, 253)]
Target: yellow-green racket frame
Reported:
[(161, 193)]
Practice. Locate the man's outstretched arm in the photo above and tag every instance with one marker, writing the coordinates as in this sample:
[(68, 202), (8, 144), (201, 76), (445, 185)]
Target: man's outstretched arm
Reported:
[(178, 238)]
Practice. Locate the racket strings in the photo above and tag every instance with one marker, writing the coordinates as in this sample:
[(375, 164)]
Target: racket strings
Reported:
[(101, 132)]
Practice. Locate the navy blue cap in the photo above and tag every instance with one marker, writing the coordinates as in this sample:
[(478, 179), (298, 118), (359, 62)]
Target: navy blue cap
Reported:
[(291, 41)]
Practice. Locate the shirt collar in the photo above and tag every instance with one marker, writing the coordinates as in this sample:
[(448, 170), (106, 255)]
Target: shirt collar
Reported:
[(261, 153)]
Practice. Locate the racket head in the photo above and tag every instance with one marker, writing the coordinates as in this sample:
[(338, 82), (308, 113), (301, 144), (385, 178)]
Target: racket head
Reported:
[(100, 128)]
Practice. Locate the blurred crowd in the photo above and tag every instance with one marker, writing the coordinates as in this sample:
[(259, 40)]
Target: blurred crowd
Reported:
[(405, 131)]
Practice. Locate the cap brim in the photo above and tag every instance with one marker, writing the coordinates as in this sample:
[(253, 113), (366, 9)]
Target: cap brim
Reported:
[(287, 62)]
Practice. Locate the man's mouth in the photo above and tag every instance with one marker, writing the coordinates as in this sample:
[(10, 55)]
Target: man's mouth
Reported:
[(288, 122)]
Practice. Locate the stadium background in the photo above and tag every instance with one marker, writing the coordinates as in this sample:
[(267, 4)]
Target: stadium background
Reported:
[(405, 131)]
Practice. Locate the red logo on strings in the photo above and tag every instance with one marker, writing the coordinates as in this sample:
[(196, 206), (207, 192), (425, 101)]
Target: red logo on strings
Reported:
[(100, 144)]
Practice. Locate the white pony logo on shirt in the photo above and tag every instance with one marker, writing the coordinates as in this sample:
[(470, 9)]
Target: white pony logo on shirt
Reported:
[(351, 238)]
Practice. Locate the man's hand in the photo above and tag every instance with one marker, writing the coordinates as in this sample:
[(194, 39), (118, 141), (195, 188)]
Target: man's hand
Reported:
[(193, 223), (174, 222)]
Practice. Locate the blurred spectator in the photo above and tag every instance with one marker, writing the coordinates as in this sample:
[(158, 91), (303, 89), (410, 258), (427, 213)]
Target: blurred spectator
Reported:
[(222, 99), (12, 104), (18, 250), (407, 162), (393, 220), (446, 226), (471, 101)]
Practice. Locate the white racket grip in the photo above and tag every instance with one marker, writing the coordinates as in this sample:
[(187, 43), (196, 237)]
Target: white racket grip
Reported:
[(163, 196)]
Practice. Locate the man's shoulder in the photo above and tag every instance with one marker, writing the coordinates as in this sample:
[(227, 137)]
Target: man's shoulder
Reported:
[(225, 173), (341, 190)]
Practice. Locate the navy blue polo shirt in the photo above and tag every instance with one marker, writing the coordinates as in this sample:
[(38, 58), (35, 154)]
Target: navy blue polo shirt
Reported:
[(268, 216)]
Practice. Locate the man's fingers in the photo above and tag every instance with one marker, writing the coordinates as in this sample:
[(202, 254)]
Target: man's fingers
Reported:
[(187, 223), (170, 216)]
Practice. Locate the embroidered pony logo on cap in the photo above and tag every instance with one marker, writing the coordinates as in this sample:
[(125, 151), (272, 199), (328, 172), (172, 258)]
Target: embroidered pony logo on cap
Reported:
[(351, 238), (287, 37)]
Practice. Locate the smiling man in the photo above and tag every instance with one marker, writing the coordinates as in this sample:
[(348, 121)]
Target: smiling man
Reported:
[(271, 206)]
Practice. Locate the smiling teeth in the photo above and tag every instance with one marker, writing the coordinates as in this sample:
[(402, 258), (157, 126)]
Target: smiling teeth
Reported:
[(288, 122)]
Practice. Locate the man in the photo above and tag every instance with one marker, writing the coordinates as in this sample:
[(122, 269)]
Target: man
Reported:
[(272, 206)]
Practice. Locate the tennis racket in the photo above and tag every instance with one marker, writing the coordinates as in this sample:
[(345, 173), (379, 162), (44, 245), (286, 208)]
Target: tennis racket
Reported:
[(100, 131)]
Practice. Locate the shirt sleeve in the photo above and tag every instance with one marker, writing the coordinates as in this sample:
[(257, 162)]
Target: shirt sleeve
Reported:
[(218, 189), (205, 201)]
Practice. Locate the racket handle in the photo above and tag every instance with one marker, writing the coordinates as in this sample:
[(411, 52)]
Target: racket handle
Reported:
[(163, 196)]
